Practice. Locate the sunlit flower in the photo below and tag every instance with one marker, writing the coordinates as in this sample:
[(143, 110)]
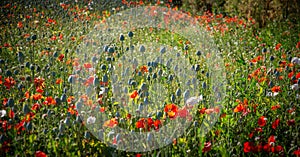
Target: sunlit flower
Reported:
[(91, 120), (2, 113), (262, 121)]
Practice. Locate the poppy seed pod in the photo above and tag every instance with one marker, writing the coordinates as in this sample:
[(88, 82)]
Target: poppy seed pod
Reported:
[(105, 48), (20, 57), (122, 38), (33, 37), (162, 50), (26, 109), (186, 47), (63, 98), (111, 50), (173, 98), (100, 134), (198, 53), (67, 121), (130, 34), (104, 78), (61, 127), (8, 73), (154, 75), (178, 92), (142, 48), (10, 102), (29, 126)]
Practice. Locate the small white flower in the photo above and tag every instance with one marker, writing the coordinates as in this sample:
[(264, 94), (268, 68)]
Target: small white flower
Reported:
[(194, 100), (295, 87), (2, 113), (272, 94), (91, 120), (102, 90), (257, 138), (295, 60)]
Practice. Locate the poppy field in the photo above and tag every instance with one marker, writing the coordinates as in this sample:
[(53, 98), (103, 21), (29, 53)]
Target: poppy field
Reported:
[(77, 80)]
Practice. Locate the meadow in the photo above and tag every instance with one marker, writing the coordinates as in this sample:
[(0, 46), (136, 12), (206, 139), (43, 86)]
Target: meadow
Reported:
[(43, 66)]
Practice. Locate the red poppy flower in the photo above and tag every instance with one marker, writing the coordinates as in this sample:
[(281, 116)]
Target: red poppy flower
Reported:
[(275, 123), (40, 154), (150, 122), (277, 47), (297, 152), (49, 101), (87, 65), (39, 82), (140, 123), (89, 81), (290, 75), (275, 107), (276, 89), (262, 121), (298, 45), (271, 140), (61, 57), (239, 108), (202, 111), (58, 81), (157, 124), (134, 94), (171, 110), (53, 38), (144, 69), (11, 114), (39, 90), (111, 123), (298, 75), (20, 25), (0, 79), (277, 149), (35, 106), (291, 122), (61, 36), (207, 147), (183, 113), (9, 82), (248, 146), (138, 155), (37, 96)]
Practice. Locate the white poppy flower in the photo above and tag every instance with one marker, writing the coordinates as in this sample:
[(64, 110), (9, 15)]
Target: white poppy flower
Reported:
[(295, 60), (295, 87), (194, 100), (2, 113), (91, 120)]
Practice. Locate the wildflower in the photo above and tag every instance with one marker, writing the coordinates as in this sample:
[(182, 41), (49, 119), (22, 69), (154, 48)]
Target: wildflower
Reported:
[(20, 25), (2, 113), (277, 47), (194, 100), (134, 94), (248, 146), (111, 123), (91, 120), (40, 154), (262, 121), (275, 89), (140, 123), (171, 110), (207, 147), (275, 123), (295, 87)]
